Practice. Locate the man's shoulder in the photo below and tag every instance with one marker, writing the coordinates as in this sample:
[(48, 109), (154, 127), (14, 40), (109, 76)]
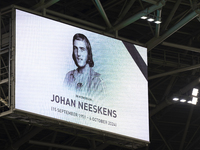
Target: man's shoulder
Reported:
[(70, 76), (96, 77), (95, 74), (70, 73)]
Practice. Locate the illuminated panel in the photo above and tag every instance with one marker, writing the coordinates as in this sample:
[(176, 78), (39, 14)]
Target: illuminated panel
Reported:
[(94, 81)]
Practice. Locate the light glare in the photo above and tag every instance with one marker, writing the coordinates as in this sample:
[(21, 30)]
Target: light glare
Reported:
[(144, 17), (175, 99), (150, 19), (183, 100), (194, 100), (195, 92), (157, 22)]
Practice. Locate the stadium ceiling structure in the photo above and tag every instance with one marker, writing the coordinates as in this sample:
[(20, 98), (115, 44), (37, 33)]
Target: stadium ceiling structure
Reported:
[(173, 70)]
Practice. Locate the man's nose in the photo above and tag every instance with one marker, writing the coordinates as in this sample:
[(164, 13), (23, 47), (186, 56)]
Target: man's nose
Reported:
[(79, 52)]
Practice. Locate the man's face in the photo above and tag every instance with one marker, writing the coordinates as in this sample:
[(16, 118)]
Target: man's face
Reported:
[(80, 52)]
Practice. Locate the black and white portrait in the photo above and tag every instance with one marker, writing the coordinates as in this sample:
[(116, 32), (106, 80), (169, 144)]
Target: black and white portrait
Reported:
[(83, 79)]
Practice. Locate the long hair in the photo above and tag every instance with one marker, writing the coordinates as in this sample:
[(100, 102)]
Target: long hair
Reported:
[(82, 37)]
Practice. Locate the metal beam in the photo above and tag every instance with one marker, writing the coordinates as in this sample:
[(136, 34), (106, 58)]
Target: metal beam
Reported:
[(3, 51), (175, 71), (171, 15), (102, 146), (46, 5), (138, 16), (92, 144), (24, 139), (158, 25), (153, 96), (16, 129), (167, 91), (0, 31), (47, 136), (149, 24), (159, 107), (193, 143), (9, 57), (152, 105), (38, 4), (4, 102), (188, 48), (82, 15), (5, 113), (182, 15), (3, 81), (4, 62), (192, 138), (53, 139), (169, 102), (158, 82), (102, 12), (75, 19), (150, 1), (155, 41), (55, 145), (9, 137), (191, 37), (126, 9), (107, 5), (186, 128), (160, 134)]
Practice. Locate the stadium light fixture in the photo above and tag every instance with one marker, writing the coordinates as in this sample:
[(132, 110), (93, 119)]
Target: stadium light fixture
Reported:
[(195, 92), (175, 99), (151, 18), (183, 100), (144, 17), (157, 22), (192, 99)]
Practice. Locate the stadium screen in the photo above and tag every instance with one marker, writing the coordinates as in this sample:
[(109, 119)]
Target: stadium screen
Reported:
[(81, 77)]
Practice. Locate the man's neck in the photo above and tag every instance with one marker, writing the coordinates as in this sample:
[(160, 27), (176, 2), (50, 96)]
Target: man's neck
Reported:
[(84, 70)]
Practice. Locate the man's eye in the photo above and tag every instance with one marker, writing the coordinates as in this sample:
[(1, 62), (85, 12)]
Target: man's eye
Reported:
[(82, 49)]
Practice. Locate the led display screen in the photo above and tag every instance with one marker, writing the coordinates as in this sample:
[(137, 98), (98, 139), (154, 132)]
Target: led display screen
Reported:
[(80, 77)]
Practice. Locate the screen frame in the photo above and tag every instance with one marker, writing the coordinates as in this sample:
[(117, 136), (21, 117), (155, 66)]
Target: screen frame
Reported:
[(51, 118)]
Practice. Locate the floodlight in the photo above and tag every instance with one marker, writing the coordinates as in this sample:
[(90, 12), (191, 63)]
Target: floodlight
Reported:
[(175, 99), (144, 17), (183, 100), (150, 19), (195, 92), (194, 100), (157, 22)]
